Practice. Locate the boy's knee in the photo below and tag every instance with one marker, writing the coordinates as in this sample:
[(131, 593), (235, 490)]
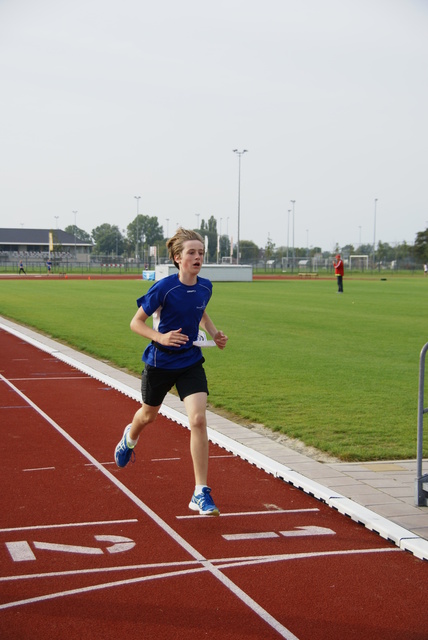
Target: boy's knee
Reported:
[(142, 418), (198, 421)]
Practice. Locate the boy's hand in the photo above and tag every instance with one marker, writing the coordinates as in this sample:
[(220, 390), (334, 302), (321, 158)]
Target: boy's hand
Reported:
[(173, 338), (220, 339)]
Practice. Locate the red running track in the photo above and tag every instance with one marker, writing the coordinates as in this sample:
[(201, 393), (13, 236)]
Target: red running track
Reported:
[(88, 550)]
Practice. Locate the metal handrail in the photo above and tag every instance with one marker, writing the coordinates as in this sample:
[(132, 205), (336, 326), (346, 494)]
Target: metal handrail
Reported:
[(421, 495)]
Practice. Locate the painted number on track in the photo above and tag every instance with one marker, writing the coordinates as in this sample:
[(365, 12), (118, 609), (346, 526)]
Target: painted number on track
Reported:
[(297, 532), (21, 551)]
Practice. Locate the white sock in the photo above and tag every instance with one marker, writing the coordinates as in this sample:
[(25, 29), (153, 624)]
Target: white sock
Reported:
[(131, 443), (198, 489)]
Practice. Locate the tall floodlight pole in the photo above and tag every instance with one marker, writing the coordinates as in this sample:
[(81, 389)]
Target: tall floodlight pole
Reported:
[(136, 237), (167, 227), (374, 234), (293, 202), (288, 233), (75, 250), (239, 153)]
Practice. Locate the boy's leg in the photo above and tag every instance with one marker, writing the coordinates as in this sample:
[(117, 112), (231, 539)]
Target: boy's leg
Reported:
[(201, 501), (142, 417), (196, 405), (124, 451)]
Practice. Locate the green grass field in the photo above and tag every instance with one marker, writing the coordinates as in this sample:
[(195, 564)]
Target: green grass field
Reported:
[(339, 372)]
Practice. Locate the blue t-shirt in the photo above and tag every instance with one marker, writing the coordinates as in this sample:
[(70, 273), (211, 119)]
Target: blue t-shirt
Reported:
[(175, 305)]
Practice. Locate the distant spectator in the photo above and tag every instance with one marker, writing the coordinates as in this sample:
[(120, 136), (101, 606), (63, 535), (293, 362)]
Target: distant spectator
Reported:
[(338, 269), (21, 268), (49, 265), (426, 269)]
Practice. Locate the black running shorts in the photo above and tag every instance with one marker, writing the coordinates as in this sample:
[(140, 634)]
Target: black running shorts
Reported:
[(155, 382)]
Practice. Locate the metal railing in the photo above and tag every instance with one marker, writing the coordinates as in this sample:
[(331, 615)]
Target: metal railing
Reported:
[(421, 483)]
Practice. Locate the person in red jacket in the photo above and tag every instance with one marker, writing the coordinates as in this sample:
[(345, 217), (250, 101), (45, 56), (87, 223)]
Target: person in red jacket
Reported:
[(338, 270)]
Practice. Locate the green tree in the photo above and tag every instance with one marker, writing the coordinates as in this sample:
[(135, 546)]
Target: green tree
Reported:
[(348, 250), (249, 251), (269, 249), (144, 230), (224, 246), (79, 233), (209, 229), (421, 246), (108, 240), (365, 250)]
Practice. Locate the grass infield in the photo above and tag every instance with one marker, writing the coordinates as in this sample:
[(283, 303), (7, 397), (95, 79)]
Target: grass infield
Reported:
[(339, 372)]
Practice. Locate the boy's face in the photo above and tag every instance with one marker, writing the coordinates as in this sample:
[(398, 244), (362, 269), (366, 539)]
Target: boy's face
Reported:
[(191, 258)]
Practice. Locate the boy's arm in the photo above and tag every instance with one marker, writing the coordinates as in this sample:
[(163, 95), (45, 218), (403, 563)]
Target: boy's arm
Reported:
[(170, 339), (218, 336)]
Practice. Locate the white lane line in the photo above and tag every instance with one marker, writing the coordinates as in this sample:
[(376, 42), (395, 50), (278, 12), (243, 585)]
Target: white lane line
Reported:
[(63, 525), (222, 564), (40, 379), (256, 513), (236, 561), (106, 585), (230, 455), (82, 572), (227, 582), (16, 406), (41, 469), (253, 560)]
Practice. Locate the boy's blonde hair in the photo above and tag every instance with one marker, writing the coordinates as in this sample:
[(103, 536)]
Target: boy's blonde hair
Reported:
[(175, 244)]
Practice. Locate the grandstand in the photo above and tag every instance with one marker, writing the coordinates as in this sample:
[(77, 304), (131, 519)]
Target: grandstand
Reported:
[(34, 245)]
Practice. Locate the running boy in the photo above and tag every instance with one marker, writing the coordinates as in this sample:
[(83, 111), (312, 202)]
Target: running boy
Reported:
[(178, 306)]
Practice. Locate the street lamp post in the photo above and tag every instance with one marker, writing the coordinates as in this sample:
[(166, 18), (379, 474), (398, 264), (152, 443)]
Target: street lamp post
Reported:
[(293, 202), (288, 234), (136, 238), (239, 153)]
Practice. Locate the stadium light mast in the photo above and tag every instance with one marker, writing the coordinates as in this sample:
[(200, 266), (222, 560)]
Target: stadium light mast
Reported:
[(239, 154), (136, 238), (75, 250), (293, 202), (374, 234)]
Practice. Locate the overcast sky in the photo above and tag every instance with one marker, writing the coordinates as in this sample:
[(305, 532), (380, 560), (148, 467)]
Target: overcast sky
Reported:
[(104, 100)]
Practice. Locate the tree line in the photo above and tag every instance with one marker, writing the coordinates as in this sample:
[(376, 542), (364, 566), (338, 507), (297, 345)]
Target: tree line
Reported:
[(145, 231)]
